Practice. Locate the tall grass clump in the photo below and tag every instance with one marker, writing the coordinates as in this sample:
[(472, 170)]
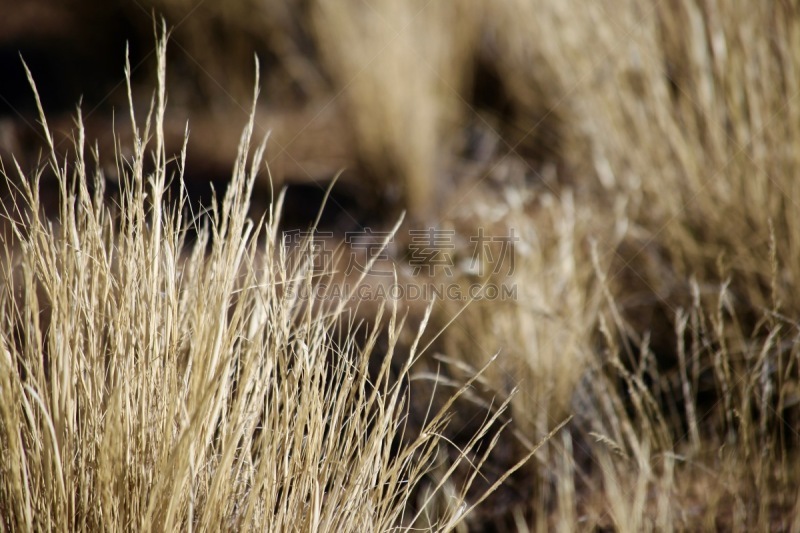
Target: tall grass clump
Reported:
[(400, 68), (153, 382), (686, 411), (681, 192), (688, 110)]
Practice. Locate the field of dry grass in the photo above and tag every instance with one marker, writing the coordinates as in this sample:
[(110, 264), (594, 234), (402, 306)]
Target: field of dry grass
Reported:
[(161, 368)]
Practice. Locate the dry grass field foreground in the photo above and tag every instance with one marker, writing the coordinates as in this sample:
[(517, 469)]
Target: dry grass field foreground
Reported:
[(160, 368)]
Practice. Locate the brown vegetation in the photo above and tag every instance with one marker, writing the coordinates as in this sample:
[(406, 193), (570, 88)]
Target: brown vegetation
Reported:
[(644, 154)]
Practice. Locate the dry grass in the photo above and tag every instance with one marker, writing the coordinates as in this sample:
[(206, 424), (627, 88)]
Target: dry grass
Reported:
[(402, 67), (152, 384), (643, 153)]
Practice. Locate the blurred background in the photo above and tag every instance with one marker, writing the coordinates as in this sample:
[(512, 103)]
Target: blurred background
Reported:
[(406, 98)]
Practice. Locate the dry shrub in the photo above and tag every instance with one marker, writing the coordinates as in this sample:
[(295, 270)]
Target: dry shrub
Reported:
[(538, 311), (544, 324), (690, 108), (401, 70), (682, 116)]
